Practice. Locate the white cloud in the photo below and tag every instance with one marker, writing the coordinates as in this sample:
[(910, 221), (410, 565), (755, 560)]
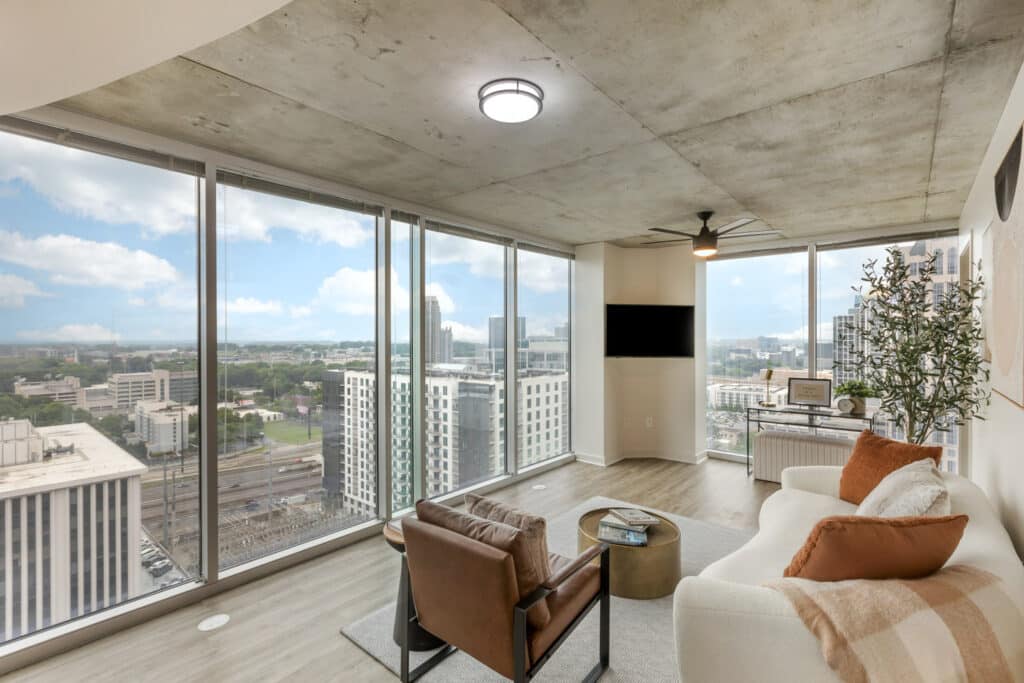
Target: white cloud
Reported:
[(352, 291), (483, 258), (136, 301), (72, 333), (245, 305), (466, 333), (737, 281), (300, 311), (435, 290), (543, 273), (74, 261), (100, 187), (252, 215), (181, 296), (14, 289)]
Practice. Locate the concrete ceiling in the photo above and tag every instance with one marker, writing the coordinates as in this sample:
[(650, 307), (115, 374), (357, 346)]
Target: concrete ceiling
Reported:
[(814, 117)]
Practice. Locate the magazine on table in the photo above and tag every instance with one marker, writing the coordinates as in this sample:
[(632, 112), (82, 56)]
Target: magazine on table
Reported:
[(614, 534), (634, 516), (612, 520)]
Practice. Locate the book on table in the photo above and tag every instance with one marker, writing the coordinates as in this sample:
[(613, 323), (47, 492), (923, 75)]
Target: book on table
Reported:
[(635, 516), (620, 536), (612, 520)]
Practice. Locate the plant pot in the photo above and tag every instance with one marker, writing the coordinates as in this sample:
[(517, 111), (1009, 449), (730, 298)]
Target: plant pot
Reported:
[(859, 405)]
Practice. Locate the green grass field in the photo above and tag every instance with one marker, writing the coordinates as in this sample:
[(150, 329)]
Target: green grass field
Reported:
[(290, 432)]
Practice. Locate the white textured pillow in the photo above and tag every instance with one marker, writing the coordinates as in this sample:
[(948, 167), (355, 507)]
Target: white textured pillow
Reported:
[(913, 490)]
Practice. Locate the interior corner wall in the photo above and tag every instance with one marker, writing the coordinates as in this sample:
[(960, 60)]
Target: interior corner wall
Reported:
[(995, 460), (650, 407)]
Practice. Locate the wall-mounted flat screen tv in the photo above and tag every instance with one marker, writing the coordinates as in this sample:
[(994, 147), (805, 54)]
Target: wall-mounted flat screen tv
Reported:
[(645, 331)]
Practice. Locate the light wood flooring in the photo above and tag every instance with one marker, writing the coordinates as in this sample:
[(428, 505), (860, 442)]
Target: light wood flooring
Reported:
[(285, 627)]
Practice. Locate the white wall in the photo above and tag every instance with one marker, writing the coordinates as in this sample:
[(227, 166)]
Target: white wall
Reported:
[(650, 407), (996, 454)]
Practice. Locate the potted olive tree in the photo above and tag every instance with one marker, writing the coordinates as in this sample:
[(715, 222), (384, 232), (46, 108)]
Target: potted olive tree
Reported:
[(857, 391), (918, 347)]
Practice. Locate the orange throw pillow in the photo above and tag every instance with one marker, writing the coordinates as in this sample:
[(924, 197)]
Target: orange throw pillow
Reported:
[(873, 458), (852, 547)]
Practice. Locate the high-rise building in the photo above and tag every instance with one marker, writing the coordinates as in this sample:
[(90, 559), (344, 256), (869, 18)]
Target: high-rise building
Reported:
[(129, 388), (432, 330), (496, 339), (163, 425), (63, 390), (447, 345), (70, 521)]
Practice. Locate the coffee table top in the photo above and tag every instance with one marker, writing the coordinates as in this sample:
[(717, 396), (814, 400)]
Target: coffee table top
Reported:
[(658, 534)]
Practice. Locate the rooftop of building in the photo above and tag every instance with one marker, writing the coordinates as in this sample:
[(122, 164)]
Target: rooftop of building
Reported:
[(96, 458)]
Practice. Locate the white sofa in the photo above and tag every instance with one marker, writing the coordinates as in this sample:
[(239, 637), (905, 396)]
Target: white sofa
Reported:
[(728, 627)]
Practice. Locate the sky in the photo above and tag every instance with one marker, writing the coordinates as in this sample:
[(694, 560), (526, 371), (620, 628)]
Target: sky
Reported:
[(95, 249)]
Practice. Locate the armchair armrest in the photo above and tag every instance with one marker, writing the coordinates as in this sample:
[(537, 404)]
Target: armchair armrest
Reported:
[(822, 479), (583, 559)]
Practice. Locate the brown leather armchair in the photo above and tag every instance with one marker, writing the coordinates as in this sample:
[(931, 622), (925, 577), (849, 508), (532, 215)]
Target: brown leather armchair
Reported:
[(466, 593)]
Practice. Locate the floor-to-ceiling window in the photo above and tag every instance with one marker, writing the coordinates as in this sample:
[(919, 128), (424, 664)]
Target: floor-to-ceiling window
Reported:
[(840, 297), (464, 355), (296, 374), (98, 383), (542, 368), (756, 321)]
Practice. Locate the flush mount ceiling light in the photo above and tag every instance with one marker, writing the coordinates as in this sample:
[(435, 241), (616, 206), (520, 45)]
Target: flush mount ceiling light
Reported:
[(511, 100)]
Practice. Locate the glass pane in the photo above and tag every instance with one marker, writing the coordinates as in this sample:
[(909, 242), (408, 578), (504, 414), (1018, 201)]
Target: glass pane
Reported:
[(756, 320), (839, 304), (98, 342), (464, 324), (402, 425), (542, 384), (296, 372)]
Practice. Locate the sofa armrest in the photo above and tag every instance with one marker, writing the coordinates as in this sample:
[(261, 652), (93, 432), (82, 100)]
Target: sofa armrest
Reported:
[(822, 479), (728, 631)]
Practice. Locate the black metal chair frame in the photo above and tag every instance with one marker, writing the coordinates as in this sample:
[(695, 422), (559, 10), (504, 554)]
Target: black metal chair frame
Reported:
[(522, 673)]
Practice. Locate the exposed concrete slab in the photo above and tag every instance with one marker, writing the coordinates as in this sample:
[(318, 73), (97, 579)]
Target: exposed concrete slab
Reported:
[(973, 96), (864, 215), (976, 22), (866, 143), (647, 184), (411, 70), (181, 99), (529, 213), (680, 64)]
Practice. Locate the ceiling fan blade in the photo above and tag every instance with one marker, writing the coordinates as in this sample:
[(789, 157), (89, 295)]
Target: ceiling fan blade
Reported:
[(647, 244), (734, 225), (759, 233), (674, 232)]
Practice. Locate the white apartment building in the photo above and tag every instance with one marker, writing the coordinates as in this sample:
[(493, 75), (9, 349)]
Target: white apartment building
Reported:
[(70, 524), (163, 425), (738, 396), (63, 390), (97, 399), (129, 388), (464, 439)]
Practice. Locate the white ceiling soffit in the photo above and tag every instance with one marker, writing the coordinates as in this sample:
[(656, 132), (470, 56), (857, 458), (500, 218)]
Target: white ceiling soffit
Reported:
[(50, 49), (813, 117)]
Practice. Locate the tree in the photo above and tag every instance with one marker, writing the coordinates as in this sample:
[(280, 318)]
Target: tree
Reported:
[(921, 352)]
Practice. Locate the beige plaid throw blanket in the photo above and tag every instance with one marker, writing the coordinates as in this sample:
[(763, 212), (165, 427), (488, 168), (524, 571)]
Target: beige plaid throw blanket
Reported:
[(959, 624)]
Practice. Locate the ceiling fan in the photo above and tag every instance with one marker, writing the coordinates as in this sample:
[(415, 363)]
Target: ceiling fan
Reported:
[(705, 243)]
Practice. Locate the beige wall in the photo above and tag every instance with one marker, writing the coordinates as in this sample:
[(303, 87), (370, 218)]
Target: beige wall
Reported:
[(650, 407), (996, 456)]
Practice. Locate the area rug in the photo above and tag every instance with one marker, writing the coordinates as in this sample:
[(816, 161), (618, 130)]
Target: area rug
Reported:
[(642, 645)]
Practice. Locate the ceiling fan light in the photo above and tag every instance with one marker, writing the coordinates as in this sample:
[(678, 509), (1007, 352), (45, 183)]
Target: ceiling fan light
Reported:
[(511, 100), (705, 244), (705, 252)]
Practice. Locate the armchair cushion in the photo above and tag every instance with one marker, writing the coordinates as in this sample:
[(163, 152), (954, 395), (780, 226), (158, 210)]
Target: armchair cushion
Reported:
[(535, 527), (497, 535), (571, 596)]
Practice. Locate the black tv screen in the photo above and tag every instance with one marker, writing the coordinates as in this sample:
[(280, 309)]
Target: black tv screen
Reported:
[(645, 331)]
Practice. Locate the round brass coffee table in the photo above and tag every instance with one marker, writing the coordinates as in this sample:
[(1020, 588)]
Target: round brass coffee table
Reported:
[(638, 572)]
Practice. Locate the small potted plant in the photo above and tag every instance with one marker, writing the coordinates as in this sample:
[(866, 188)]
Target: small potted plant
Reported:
[(856, 391)]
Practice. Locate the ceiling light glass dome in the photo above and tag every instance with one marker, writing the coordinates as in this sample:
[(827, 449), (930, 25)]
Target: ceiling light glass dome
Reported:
[(511, 100)]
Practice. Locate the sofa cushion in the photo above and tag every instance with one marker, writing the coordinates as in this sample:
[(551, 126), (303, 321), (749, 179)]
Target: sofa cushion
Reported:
[(497, 535), (873, 458), (912, 490), (787, 516), (852, 547), (534, 526)]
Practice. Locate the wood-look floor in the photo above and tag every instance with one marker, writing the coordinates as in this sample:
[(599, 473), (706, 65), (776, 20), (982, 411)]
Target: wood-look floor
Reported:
[(285, 627)]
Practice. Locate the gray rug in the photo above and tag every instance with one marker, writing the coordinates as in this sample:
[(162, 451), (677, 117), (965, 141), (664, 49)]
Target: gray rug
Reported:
[(642, 642)]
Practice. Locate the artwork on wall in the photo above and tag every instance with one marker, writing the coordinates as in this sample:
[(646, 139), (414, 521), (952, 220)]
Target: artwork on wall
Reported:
[(1003, 270)]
